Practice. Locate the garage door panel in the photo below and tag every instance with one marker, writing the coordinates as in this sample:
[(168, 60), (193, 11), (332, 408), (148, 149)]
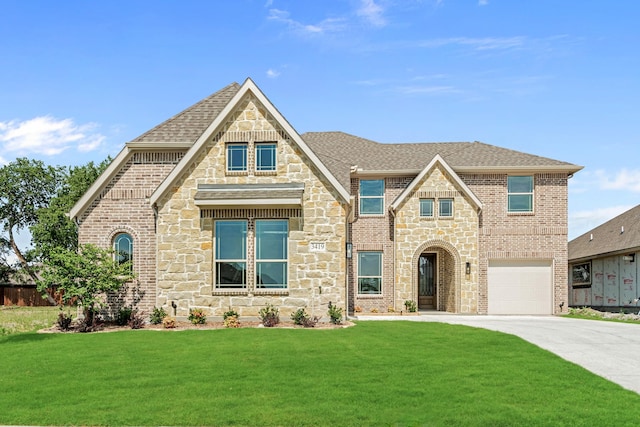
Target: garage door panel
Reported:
[(520, 287)]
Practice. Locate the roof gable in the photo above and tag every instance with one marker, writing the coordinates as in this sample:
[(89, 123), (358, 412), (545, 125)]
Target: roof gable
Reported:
[(437, 160), (618, 235), (221, 118)]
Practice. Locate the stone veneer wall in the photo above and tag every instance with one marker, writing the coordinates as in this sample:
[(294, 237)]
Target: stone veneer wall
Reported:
[(123, 207), (185, 241), (541, 235), (454, 239)]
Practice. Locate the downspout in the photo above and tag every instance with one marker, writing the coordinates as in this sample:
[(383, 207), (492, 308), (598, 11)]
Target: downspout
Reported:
[(348, 261), (393, 280)]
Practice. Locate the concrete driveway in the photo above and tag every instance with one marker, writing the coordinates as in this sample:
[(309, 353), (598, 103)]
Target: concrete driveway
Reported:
[(608, 349)]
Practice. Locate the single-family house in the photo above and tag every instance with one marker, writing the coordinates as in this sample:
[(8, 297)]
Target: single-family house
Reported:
[(227, 205), (603, 267)]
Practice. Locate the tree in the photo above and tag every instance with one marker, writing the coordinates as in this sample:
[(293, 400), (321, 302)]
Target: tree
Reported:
[(84, 277), (54, 229), (26, 186)]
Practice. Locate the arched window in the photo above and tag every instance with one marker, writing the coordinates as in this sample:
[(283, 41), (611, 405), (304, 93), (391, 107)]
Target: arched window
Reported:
[(123, 248)]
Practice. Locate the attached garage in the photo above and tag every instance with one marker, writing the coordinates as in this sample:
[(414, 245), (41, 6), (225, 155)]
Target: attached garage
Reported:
[(520, 287)]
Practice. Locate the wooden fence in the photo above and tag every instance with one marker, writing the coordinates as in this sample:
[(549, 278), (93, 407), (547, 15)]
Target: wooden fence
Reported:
[(25, 295)]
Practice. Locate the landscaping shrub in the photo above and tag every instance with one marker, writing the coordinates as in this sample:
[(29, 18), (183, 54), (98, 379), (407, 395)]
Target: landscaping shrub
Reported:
[(124, 314), (300, 317), (169, 322), (335, 313), (410, 305), (197, 316), (64, 320), (230, 319), (269, 316), (157, 315), (136, 320)]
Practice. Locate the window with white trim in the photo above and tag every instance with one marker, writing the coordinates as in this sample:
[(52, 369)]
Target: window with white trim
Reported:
[(237, 157), (271, 253), (370, 273), (265, 156), (371, 196), (123, 248), (231, 254), (519, 194), (445, 208), (426, 207)]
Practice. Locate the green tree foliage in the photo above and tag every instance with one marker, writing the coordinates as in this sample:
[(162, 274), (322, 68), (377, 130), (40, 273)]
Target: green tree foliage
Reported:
[(85, 276), (54, 229), (26, 186)]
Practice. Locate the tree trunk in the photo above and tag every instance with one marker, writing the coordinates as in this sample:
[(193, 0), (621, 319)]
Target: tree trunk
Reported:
[(27, 267)]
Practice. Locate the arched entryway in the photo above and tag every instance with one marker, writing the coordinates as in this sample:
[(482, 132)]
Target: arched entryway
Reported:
[(437, 277)]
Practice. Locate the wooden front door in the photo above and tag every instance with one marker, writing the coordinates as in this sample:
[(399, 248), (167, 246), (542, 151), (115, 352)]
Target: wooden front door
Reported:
[(427, 281)]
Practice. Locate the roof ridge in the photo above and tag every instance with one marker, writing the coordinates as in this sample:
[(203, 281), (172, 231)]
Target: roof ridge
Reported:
[(187, 110)]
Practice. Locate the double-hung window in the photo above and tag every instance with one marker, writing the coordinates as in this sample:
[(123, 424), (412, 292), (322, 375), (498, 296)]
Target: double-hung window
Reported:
[(265, 156), (271, 253), (519, 194), (231, 254), (426, 207), (237, 157), (370, 273), (445, 208), (371, 196)]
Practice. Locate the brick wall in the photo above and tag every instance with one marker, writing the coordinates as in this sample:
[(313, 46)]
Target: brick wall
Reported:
[(123, 206)]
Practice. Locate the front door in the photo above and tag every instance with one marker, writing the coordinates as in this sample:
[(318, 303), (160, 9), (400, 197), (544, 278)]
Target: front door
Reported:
[(427, 281)]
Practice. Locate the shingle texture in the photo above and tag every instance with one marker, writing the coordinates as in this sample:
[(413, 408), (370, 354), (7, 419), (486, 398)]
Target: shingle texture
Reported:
[(188, 125), (340, 151), (609, 237)]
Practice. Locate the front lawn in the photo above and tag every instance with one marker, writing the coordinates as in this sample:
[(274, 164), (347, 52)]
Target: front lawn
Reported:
[(375, 373)]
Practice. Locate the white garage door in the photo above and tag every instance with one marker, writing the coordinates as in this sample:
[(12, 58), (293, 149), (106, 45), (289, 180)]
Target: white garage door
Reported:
[(520, 287)]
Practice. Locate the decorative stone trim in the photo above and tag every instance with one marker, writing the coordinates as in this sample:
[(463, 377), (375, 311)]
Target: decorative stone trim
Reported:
[(360, 247), (436, 194), (520, 255), (250, 213), (166, 158), (271, 292), (253, 135), (228, 292), (523, 231)]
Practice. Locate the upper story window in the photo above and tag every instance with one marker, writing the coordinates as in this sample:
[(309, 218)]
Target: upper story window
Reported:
[(231, 254), (123, 248), (445, 208), (371, 196), (237, 157), (265, 156), (520, 194), (426, 207)]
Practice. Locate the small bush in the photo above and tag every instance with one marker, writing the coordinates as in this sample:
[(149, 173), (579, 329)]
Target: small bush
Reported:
[(230, 313), (64, 320), (375, 310), (90, 325), (169, 322), (299, 316), (231, 322), (197, 316), (358, 309), (136, 320), (157, 315), (410, 305), (335, 313), (124, 314), (270, 316)]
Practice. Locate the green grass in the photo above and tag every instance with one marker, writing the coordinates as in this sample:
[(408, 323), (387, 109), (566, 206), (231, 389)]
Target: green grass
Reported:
[(26, 319), (591, 314), (376, 373)]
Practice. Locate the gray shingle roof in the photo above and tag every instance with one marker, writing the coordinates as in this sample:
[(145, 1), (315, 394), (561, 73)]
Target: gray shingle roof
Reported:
[(340, 151), (188, 125), (609, 237)]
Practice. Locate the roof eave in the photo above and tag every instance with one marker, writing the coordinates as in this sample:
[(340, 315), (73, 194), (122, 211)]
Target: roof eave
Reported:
[(569, 169), (158, 145)]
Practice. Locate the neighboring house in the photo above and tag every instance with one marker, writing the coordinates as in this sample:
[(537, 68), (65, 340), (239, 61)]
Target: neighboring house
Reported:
[(226, 205), (603, 265)]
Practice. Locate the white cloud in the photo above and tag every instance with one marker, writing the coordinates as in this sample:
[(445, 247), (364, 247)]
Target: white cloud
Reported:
[(3, 161), (328, 25), (582, 221), (434, 90), (483, 2), (623, 180), (372, 13), (484, 43), (272, 74), (49, 136)]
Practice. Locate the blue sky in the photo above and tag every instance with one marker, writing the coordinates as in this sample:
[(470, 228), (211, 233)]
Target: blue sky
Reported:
[(78, 79)]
